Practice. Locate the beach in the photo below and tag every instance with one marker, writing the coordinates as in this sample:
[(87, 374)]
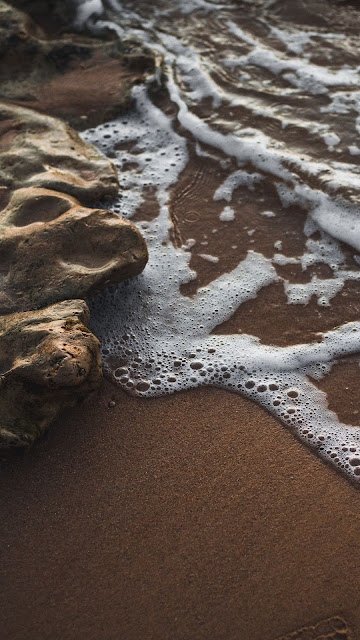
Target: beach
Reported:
[(189, 516), (179, 434)]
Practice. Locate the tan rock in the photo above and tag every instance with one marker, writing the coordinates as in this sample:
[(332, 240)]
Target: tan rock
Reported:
[(40, 151), (48, 360), (52, 249)]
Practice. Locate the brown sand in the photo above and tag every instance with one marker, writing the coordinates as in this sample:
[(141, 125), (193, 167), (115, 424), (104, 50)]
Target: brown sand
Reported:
[(74, 96), (194, 516), (191, 516)]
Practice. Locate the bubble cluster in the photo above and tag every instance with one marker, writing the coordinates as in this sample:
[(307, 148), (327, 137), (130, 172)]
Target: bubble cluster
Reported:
[(156, 341)]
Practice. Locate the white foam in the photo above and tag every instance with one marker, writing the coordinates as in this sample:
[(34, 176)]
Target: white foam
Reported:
[(281, 259), (88, 10), (297, 41), (354, 150), (299, 72), (326, 250), (294, 40), (188, 6), (234, 181), (227, 214), (324, 290), (338, 219), (240, 33), (209, 258), (193, 71), (331, 139), (154, 339)]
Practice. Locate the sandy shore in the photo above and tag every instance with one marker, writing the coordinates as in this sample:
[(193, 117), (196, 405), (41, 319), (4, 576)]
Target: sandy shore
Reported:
[(196, 515)]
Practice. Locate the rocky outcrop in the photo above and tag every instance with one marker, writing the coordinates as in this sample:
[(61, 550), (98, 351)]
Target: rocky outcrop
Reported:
[(82, 79), (48, 360), (39, 151), (52, 249)]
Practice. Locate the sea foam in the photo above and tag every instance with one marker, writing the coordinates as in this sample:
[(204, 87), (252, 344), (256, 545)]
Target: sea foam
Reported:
[(157, 341)]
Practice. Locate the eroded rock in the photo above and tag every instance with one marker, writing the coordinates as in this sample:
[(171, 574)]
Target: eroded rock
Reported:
[(52, 249), (48, 360), (40, 151)]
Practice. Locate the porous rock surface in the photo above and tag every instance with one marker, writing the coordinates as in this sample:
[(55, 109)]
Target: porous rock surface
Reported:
[(48, 360), (40, 151), (52, 249)]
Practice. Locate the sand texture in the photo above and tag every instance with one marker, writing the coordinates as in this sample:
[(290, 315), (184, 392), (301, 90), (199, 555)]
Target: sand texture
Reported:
[(190, 516)]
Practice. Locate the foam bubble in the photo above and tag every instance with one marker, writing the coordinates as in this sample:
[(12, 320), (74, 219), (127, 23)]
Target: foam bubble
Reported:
[(157, 341), (227, 214)]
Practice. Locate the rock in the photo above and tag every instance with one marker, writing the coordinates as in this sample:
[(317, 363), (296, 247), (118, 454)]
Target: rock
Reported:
[(52, 249), (54, 15), (83, 79), (40, 151), (48, 360)]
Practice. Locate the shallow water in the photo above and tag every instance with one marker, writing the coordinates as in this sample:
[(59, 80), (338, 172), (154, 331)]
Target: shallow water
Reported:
[(240, 163)]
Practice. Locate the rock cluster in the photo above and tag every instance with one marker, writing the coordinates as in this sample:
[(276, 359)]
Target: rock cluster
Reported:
[(40, 151), (56, 246), (52, 248), (48, 360)]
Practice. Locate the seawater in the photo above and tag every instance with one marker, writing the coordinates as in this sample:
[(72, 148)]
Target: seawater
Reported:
[(277, 108)]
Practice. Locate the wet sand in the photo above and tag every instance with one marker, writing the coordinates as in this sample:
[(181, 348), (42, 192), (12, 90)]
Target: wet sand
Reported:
[(196, 515)]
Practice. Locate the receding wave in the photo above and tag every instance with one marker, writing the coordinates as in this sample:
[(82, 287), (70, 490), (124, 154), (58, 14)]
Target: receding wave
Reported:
[(239, 162)]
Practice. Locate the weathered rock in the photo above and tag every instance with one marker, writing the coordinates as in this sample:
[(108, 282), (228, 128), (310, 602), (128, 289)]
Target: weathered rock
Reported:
[(54, 14), (48, 360), (52, 249), (83, 79), (40, 151)]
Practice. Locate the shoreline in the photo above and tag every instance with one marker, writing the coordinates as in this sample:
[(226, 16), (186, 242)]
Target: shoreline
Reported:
[(198, 514)]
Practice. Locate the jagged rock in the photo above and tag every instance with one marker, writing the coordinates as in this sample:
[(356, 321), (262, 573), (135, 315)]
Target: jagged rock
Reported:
[(83, 79), (52, 249), (40, 151), (48, 360)]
